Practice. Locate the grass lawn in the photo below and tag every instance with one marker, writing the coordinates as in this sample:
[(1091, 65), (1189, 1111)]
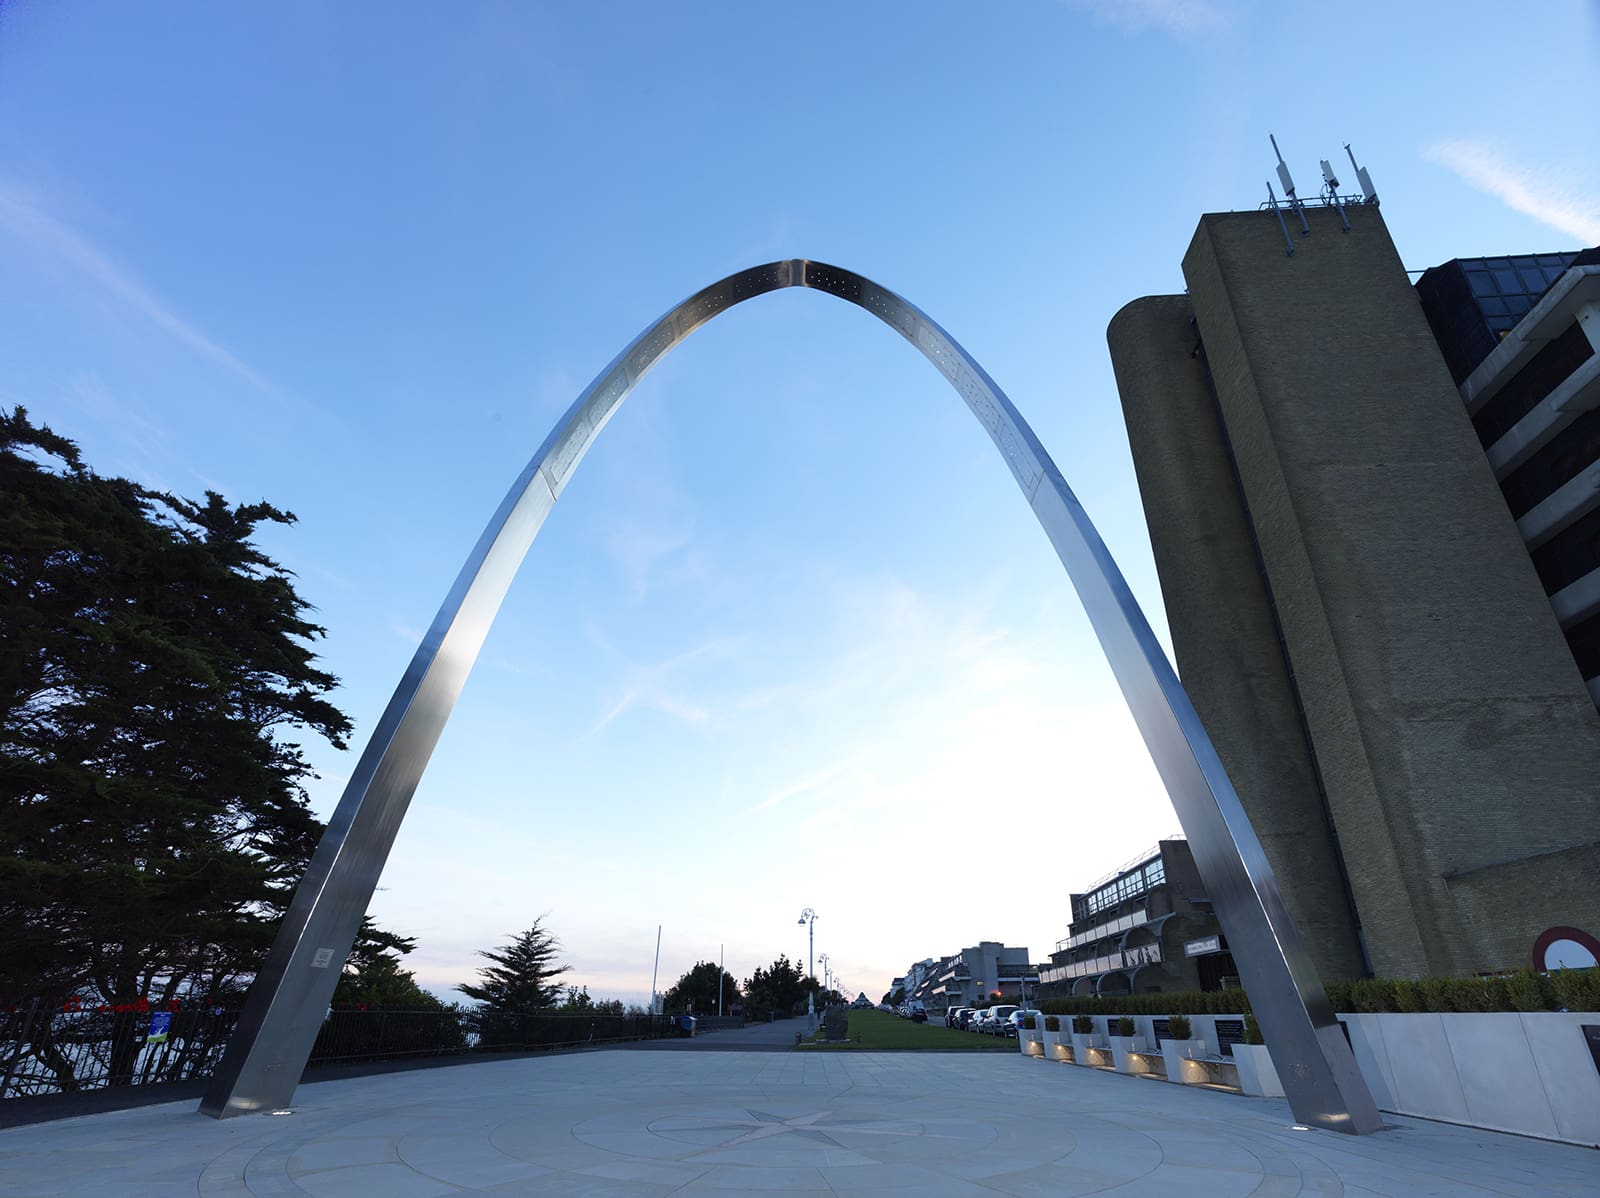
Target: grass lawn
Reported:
[(881, 1029)]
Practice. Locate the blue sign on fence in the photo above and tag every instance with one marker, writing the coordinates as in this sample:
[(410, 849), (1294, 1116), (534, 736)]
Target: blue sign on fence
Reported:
[(160, 1025)]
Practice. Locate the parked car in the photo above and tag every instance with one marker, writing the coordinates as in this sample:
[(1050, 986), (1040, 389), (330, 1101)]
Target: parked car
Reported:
[(997, 1021), (979, 1014), (952, 1017), (1014, 1020)]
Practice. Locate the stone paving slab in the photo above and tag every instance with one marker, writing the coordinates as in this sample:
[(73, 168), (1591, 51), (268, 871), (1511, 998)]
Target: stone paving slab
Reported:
[(721, 1124)]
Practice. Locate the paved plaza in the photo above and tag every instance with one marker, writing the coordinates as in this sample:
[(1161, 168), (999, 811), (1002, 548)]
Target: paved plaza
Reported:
[(683, 1121)]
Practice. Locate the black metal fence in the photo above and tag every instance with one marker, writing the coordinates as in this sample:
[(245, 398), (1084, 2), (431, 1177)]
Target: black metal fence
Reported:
[(48, 1048)]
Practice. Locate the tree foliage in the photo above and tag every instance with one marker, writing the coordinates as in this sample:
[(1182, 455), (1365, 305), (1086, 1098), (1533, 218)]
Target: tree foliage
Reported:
[(375, 979), (522, 978), (579, 1002), (153, 821), (779, 987), (696, 991)]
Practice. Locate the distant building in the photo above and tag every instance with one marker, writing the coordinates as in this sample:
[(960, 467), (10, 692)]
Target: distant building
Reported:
[(1144, 928), (917, 977), (975, 975)]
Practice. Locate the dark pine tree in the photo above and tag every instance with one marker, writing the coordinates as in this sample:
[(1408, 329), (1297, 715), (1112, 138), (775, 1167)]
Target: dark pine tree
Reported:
[(524, 978), (153, 660), (780, 987)]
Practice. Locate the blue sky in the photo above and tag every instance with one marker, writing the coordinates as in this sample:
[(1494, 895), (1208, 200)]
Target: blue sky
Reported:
[(790, 639)]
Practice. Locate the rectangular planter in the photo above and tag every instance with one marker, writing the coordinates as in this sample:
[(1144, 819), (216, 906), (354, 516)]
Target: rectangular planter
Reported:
[(1127, 1054), (1257, 1074), (1179, 1057), (1058, 1046), (1089, 1048)]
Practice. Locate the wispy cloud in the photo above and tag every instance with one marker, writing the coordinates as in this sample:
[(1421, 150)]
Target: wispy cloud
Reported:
[(647, 551), (1560, 203), (816, 782), (22, 217), (1180, 18), (652, 686)]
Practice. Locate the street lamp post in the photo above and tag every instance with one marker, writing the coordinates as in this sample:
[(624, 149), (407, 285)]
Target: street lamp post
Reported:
[(809, 918), (827, 983)]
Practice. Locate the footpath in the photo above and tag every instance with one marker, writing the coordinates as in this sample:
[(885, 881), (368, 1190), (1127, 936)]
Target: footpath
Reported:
[(777, 1036)]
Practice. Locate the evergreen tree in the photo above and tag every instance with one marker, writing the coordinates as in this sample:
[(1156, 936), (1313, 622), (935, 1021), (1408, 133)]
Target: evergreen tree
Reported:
[(374, 977), (696, 991), (152, 819), (579, 1002), (779, 987), (523, 977)]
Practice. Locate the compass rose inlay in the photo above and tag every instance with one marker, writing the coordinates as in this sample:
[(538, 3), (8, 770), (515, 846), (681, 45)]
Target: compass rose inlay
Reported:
[(819, 1126)]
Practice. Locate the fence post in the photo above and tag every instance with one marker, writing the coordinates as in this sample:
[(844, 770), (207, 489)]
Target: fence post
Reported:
[(11, 1065)]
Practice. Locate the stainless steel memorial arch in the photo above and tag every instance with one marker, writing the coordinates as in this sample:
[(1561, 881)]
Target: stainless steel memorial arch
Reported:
[(285, 1008)]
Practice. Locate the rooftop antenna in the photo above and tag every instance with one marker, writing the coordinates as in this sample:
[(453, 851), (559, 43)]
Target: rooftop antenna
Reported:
[(1272, 198), (1288, 186), (1369, 194), (1330, 183)]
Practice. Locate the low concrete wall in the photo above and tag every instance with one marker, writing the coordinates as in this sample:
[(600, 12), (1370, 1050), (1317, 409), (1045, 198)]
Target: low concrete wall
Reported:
[(1528, 1073)]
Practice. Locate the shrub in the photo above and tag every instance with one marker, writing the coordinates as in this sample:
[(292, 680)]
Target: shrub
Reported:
[(1436, 992), (1082, 1024), (1372, 995), (1525, 990), (1178, 1027), (1576, 989), (1125, 1026), (1052, 1023), (1252, 1030), (1029, 1022), (1481, 994), (1409, 996), (1339, 996)]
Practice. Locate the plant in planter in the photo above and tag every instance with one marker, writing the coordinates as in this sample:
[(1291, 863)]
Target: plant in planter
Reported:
[(1252, 1030), (1127, 1048), (1179, 1047), (1084, 1040), (1030, 1040), (1057, 1043)]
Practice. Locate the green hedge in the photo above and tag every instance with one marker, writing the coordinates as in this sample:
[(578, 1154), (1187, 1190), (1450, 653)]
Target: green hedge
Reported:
[(1180, 1002), (1565, 990)]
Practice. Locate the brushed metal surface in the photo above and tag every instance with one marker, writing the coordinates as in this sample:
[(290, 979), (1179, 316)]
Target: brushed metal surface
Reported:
[(286, 1005)]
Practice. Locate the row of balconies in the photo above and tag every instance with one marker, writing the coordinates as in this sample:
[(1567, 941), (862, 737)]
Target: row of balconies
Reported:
[(1141, 954), (1100, 931)]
